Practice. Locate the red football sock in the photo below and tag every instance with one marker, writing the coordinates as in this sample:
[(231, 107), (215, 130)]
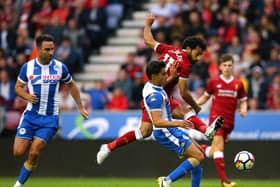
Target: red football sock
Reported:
[(198, 124), (122, 140), (220, 167)]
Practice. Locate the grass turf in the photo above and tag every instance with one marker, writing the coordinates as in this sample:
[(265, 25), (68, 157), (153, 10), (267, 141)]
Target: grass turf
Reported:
[(123, 182)]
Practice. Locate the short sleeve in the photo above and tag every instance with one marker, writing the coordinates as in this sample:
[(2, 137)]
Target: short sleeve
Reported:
[(22, 76), (66, 76), (154, 101), (209, 88)]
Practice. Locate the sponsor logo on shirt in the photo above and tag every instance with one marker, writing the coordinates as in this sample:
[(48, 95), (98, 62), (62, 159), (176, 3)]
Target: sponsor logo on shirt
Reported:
[(227, 93), (45, 78)]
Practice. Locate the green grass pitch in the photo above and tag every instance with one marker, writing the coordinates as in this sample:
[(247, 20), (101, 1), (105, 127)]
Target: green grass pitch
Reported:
[(123, 182)]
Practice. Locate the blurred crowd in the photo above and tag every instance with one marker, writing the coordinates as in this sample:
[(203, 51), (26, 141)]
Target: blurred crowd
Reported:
[(250, 30), (80, 27)]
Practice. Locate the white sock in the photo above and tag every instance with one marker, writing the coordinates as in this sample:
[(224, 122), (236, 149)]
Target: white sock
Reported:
[(218, 154), (138, 134), (189, 114), (18, 184), (207, 151)]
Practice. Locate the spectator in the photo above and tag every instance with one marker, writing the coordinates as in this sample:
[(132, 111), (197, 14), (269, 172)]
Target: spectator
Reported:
[(136, 95), (114, 11), (235, 46), (7, 92), (61, 11), (42, 17), (55, 28), (118, 101), (195, 26), (257, 86), (273, 95), (69, 55), (8, 37), (98, 95), (124, 82), (75, 34), (272, 65), (94, 21), (130, 66), (22, 46)]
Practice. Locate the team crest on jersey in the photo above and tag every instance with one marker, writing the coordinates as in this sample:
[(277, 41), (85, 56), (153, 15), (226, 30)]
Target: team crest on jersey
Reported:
[(219, 86), (236, 86), (22, 131), (153, 99)]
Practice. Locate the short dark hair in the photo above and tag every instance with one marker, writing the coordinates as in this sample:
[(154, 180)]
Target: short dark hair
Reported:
[(154, 67), (225, 58), (193, 42), (44, 37)]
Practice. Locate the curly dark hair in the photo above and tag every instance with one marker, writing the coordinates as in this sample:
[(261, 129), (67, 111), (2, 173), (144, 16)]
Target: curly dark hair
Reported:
[(193, 42)]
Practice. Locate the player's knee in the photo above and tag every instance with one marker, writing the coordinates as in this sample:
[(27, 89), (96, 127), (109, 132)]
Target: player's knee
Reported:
[(18, 152), (33, 156), (200, 156)]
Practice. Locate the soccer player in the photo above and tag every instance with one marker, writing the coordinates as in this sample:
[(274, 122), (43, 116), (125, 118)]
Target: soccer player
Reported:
[(193, 48), (39, 121), (226, 91), (165, 129)]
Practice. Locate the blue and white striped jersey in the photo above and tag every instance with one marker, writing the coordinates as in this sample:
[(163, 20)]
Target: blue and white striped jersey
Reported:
[(44, 81), (174, 139), (155, 98)]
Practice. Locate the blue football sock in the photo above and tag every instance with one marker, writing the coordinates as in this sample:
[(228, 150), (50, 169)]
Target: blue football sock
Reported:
[(180, 171), (23, 175), (196, 175)]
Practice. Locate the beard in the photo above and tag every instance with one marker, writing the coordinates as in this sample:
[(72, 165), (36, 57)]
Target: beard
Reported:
[(45, 59)]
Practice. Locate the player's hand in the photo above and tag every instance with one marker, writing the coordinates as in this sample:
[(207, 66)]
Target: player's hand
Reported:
[(32, 98), (84, 113), (186, 124), (173, 70), (243, 113), (150, 19)]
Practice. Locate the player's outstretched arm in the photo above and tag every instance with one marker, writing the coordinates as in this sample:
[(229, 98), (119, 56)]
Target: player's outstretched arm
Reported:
[(186, 95), (148, 36), (72, 86), (159, 122), (203, 99)]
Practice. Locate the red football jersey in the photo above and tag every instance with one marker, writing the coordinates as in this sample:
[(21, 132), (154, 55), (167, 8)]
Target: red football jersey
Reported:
[(170, 54), (226, 94)]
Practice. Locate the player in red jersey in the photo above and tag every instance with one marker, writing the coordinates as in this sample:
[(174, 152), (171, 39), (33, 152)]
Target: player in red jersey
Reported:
[(193, 48), (226, 92)]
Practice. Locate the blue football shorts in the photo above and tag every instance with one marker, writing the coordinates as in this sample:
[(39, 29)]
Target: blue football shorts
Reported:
[(32, 125), (173, 139)]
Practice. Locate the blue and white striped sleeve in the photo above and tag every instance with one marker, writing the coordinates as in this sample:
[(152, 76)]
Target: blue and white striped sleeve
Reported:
[(22, 76), (154, 101), (66, 76)]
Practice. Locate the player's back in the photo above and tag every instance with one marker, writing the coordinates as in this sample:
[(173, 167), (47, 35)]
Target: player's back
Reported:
[(169, 55)]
